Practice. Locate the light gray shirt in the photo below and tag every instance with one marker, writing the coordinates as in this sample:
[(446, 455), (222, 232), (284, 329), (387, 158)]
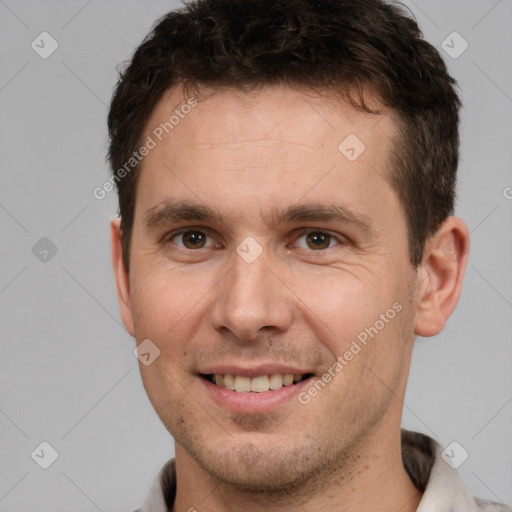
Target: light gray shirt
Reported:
[(421, 455)]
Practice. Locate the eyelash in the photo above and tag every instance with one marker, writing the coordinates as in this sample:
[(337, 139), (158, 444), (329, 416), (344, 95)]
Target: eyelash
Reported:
[(302, 232)]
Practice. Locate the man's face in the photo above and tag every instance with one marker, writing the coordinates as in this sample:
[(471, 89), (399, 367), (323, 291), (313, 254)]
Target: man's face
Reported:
[(273, 284)]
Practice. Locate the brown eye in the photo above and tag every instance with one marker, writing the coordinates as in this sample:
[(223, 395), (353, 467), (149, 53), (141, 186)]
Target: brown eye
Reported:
[(191, 239), (318, 240)]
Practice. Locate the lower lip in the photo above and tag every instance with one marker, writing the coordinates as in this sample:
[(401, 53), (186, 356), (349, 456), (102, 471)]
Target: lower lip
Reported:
[(253, 403)]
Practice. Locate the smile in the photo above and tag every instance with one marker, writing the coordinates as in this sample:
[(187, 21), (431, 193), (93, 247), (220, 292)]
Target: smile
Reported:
[(258, 384)]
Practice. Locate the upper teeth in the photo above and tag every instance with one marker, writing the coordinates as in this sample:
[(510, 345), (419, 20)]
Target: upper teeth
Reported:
[(259, 384)]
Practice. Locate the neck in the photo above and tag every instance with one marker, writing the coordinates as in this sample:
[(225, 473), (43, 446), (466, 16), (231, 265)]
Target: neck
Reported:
[(361, 481)]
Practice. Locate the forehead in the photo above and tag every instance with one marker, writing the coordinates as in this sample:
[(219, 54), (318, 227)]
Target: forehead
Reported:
[(296, 116), (272, 145)]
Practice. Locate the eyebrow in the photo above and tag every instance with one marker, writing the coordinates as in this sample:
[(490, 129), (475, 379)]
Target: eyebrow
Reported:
[(173, 211), (180, 210), (319, 212)]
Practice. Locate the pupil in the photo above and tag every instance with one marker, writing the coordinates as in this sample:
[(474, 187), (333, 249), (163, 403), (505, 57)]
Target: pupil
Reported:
[(319, 240)]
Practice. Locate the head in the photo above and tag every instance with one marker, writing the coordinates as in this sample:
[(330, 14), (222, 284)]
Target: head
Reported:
[(350, 48), (296, 210)]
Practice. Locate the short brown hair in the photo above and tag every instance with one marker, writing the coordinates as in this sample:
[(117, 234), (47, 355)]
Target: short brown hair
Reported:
[(341, 45)]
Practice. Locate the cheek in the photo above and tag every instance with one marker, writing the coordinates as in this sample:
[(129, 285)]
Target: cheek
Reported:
[(364, 321), (168, 397), (340, 306), (162, 299)]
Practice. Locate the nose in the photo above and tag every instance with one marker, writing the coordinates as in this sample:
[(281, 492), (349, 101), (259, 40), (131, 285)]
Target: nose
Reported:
[(252, 301)]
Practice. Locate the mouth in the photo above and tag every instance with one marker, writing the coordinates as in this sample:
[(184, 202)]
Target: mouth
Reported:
[(257, 384)]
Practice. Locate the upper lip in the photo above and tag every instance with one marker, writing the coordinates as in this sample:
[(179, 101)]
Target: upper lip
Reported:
[(252, 371)]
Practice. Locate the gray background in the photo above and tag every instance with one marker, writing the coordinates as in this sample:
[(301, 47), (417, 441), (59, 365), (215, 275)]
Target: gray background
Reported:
[(67, 372)]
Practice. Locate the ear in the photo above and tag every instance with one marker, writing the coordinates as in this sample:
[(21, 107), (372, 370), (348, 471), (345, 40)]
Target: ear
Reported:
[(440, 276), (121, 276)]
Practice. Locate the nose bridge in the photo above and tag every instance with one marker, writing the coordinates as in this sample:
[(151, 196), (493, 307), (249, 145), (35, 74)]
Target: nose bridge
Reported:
[(250, 297)]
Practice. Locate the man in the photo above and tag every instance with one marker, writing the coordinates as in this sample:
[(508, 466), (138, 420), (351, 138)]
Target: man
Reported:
[(286, 175)]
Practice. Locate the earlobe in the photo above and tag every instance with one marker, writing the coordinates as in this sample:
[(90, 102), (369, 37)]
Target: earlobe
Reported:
[(440, 276), (121, 276)]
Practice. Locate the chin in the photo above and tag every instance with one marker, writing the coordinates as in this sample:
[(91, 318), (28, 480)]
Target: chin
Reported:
[(256, 467)]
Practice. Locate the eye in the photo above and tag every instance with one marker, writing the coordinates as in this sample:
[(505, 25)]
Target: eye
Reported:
[(317, 240), (190, 239)]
